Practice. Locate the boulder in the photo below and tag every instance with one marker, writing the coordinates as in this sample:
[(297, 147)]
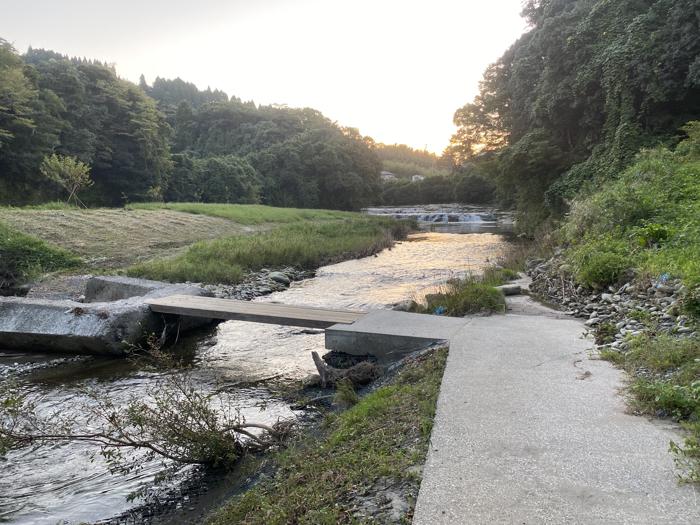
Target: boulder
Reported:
[(405, 306), (279, 277)]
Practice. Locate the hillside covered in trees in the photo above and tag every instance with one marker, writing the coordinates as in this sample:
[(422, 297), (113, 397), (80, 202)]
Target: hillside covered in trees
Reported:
[(169, 141), (572, 102), (421, 177)]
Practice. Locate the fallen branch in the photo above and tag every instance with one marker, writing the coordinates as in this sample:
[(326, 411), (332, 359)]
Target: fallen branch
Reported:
[(360, 374)]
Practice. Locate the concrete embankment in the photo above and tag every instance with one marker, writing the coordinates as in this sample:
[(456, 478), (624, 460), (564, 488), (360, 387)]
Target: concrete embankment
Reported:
[(112, 315), (531, 428)]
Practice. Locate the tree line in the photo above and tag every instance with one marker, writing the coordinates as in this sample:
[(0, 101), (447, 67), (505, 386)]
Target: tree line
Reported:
[(574, 99), (168, 141)]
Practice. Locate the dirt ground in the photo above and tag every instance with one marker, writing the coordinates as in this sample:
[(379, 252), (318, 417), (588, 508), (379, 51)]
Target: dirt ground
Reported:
[(108, 239)]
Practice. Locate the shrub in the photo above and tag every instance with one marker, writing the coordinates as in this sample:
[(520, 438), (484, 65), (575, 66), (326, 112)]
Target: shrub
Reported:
[(467, 296), (678, 401), (600, 263), (23, 257)]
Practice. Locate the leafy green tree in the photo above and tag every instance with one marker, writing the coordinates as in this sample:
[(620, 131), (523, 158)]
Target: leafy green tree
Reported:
[(69, 173), (574, 99), (227, 179), (170, 140)]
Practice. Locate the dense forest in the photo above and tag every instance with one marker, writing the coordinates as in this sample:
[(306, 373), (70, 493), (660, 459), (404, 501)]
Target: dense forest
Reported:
[(572, 102), (169, 141)]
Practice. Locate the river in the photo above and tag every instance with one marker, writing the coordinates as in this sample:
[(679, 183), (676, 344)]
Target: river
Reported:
[(64, 484)]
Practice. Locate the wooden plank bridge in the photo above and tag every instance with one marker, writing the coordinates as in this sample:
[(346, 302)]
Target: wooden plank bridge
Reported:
[(258, 312)]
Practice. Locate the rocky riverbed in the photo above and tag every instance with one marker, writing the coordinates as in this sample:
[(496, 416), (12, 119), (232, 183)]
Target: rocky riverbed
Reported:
[(640, 306), (257, 284)]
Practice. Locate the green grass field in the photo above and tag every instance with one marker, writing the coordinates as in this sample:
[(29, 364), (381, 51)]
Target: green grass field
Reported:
[(183, 241), (308, 244), (23, 257), (248, 214)]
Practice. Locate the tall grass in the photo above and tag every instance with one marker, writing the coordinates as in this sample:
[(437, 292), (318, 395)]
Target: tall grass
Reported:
[(304, 245), (470, 295), (23, 257), (246, 213)]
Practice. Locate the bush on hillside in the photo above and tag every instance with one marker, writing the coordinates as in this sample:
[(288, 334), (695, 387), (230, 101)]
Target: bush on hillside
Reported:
[(648, 219)]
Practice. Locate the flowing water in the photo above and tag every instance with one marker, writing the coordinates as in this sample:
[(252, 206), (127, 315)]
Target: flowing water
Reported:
[(64, 484)]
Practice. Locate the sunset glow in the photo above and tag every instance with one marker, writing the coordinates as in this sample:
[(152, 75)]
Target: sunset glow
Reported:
[(397, 70)]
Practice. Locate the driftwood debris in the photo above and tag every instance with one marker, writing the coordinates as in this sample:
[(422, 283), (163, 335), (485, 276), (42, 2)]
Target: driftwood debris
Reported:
[(360, 374)]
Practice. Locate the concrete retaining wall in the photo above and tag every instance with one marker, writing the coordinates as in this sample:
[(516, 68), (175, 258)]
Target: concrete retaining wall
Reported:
[(114, 317)]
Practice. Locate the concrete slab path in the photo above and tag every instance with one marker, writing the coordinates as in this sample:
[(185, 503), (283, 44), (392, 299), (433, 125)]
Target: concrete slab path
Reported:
[(531, 429)]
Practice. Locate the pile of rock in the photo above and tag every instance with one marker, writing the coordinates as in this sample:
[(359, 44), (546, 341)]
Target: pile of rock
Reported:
[(259, 283), (634, 308)]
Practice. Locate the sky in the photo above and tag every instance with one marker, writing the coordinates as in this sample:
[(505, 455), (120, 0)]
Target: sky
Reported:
[(395, 69)]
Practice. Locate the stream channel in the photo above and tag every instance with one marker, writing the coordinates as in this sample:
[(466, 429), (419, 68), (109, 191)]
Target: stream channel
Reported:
[(63, 484)]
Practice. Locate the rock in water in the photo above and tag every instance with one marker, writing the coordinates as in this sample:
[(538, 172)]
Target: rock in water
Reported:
[(279, 277), (510, 289), (405, 306)]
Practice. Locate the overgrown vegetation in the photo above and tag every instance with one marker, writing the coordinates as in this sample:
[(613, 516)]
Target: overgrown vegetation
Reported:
[(470, 295), (573, 100), (305, 245), (23, 257), (647, 220), (666, 383), (380, 437)]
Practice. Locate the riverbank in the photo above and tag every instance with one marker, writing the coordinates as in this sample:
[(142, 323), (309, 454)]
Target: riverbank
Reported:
[(365, 464), (181, 242)]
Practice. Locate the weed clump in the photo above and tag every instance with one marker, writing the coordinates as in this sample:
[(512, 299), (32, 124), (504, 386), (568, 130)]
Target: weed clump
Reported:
[(23, 257), (467, 296)]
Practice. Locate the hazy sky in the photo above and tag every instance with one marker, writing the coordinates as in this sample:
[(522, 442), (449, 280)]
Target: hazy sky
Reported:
[(395, 69)]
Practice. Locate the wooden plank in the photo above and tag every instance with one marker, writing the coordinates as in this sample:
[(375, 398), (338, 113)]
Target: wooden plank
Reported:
[(271, 313)]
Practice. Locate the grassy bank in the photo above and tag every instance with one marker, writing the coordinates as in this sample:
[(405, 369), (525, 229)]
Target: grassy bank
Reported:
[(645, 223), (114, 238), (306, 245), (192, 241), (665, 382), (247, 214), (23, 257), (378, 441)]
